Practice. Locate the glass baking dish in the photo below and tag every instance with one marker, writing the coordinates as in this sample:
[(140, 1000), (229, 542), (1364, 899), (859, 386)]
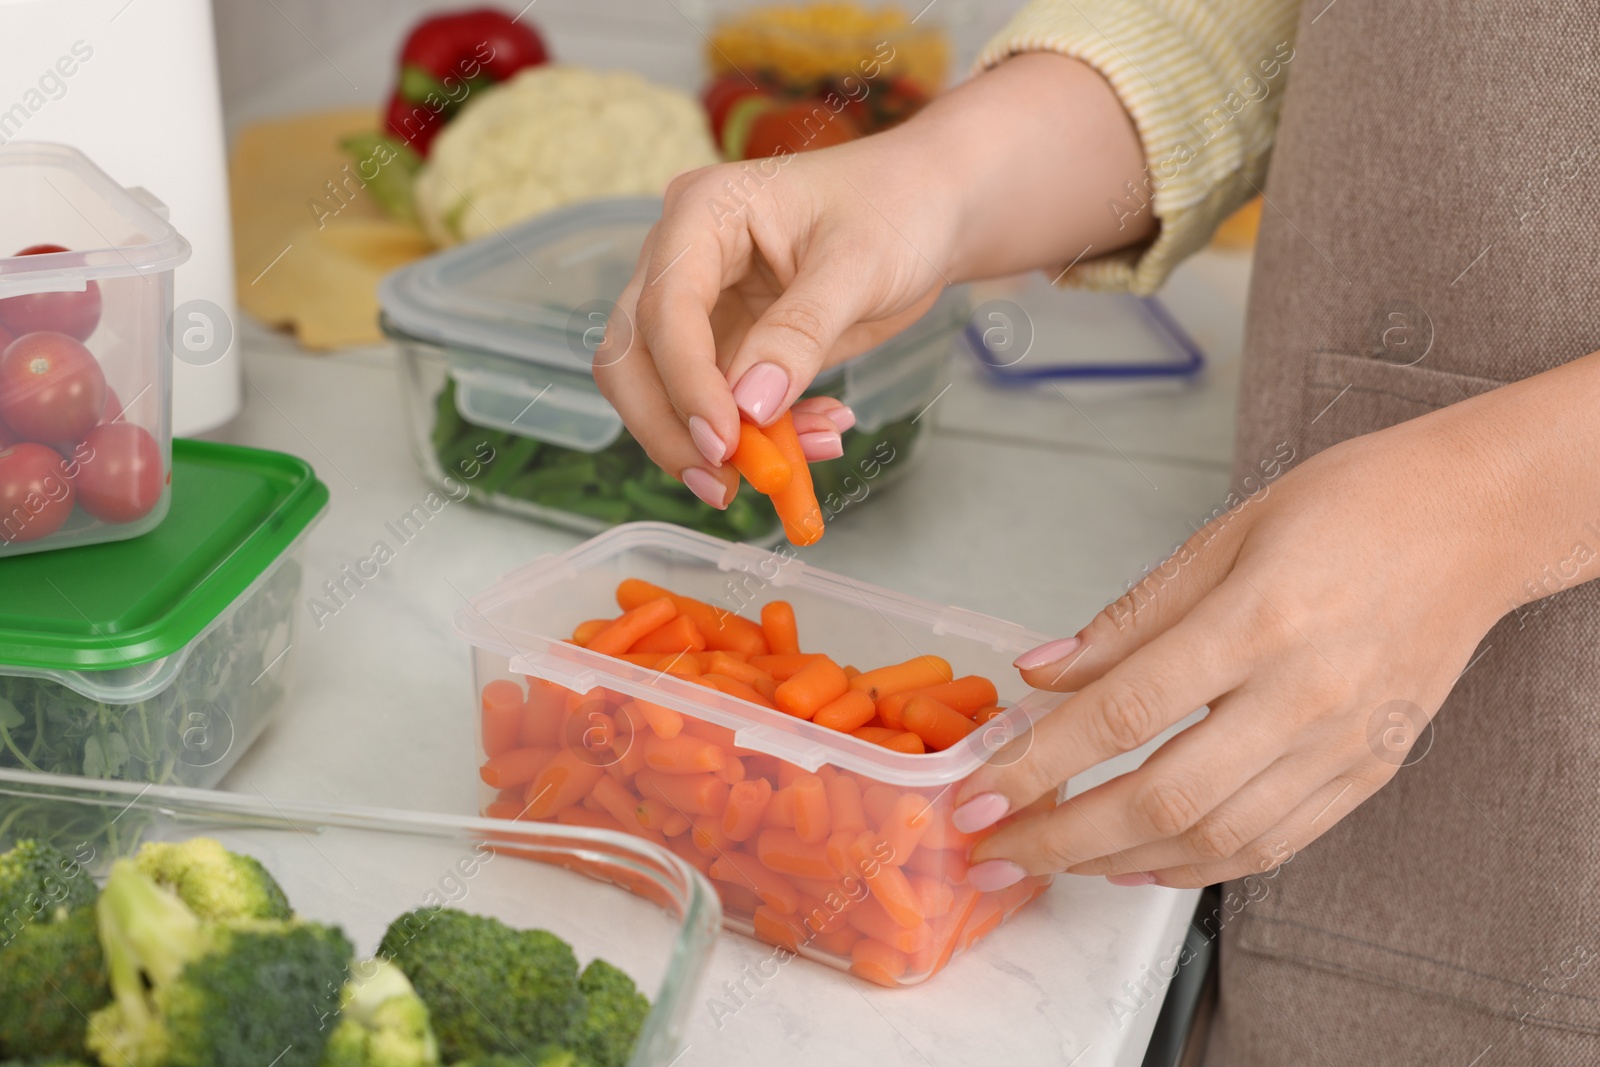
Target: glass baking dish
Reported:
[(606, 894)]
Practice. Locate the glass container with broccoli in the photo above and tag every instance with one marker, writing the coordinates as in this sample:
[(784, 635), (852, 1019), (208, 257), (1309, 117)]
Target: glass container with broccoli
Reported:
[(191, 956)]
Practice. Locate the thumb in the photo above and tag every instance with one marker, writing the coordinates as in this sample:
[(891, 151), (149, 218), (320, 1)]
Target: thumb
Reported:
[(1150, 607), (789, 344)]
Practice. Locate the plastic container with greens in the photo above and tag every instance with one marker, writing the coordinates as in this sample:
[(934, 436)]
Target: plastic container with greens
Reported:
[(160, 659), (496, 343)]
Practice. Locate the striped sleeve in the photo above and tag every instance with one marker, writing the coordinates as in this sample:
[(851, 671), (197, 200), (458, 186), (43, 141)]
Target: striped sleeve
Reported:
[(1202, 80)]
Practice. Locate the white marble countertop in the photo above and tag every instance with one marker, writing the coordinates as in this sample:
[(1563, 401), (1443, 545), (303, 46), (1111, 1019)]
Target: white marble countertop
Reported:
[(1065, 496)]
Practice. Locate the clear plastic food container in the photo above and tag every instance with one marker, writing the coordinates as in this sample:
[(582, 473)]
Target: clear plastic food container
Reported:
[(362, 868), (85, 352), (160, 659), (831, 885), (496, 342)]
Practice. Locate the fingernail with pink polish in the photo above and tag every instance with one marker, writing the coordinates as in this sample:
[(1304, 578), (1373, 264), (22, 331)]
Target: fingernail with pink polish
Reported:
[(760, 391), (706, 440), (990, 875), (706, 486), (841, 417), (980, 813), (1136, 878), (1046, 654), (820, 445)]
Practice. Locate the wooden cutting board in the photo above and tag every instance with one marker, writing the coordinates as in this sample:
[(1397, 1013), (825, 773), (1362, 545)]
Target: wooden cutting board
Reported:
[(309, 243)]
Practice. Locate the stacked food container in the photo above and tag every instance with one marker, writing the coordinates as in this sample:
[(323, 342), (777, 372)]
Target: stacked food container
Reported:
[(497, 340), (85, 352)]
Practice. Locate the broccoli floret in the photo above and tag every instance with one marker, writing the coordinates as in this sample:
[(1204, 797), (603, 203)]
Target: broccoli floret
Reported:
[(488, 987), (194, 993), (51, 977), (35, 879), (614, 1013), (215, 883), (538, 1058), (50, 965), (382, 1022)]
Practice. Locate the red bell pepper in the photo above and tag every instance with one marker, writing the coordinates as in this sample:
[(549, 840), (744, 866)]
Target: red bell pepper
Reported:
[(465, 46)]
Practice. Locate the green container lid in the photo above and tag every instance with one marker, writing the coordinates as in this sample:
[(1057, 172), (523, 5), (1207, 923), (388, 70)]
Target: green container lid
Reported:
[(101, 607)]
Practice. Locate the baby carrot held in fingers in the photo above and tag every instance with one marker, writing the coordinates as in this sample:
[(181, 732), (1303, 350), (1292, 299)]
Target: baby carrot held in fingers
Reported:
[(796, 504), (760, 461)]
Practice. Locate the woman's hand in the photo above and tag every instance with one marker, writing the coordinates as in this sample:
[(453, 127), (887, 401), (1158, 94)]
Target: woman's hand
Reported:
[(1323, 620), (761, 274)]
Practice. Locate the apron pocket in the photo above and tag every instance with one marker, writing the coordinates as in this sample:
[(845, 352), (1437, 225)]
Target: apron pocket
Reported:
[(1348, 395)]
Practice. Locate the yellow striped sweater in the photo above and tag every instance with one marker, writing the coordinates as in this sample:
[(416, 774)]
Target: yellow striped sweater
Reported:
[(1202, 80)]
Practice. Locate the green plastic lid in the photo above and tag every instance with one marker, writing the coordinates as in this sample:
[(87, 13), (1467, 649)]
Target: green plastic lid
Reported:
[(101, 607)]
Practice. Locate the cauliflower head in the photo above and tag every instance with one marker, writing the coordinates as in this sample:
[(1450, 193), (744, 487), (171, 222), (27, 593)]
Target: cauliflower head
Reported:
[(553, 135)]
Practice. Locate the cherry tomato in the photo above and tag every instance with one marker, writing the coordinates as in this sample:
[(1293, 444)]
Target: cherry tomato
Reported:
[(113, 410), (6, 337), (35, 493), (74, 314), (120, 475), (51, 388)]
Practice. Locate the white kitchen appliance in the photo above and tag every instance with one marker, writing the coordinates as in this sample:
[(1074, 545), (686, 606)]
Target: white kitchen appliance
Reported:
[(133, 85)]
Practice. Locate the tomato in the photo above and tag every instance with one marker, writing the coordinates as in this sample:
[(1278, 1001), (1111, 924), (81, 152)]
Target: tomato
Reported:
[(802, 126), (6, 337), (51, 389), (74, 314), (35, 493), (113, 410), (120, 475)]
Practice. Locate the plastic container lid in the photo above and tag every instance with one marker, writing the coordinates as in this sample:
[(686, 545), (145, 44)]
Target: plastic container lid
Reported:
[(526, 614), (519, 313), (113, 232), (115, 605)]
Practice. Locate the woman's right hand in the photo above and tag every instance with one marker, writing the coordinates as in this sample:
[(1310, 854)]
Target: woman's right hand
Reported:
[(760, 274)]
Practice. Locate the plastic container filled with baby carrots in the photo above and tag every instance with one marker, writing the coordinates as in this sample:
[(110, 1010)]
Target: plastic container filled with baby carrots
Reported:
[(796, 735)]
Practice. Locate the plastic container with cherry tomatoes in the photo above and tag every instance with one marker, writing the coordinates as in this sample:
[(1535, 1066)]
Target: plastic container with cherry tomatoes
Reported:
[(85, 352), (871, 879)]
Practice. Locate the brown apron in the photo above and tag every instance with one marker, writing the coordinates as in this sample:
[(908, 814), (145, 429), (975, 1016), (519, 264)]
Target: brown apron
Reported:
[(1433, 231)]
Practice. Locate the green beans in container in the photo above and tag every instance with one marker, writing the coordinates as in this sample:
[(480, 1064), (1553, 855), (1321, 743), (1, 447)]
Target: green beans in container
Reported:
[(497, 341)]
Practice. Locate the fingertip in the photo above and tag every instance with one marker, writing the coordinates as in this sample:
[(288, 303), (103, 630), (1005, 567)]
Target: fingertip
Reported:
[(761, 391), (821, 446), (1048, 654), (707, 486), (708, 441)]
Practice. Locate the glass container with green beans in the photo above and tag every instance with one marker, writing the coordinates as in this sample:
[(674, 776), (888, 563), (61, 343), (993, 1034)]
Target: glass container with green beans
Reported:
[(496, 340)]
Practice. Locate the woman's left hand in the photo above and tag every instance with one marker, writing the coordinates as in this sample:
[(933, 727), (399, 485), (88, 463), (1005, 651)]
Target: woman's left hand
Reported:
[(1324, 619)]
